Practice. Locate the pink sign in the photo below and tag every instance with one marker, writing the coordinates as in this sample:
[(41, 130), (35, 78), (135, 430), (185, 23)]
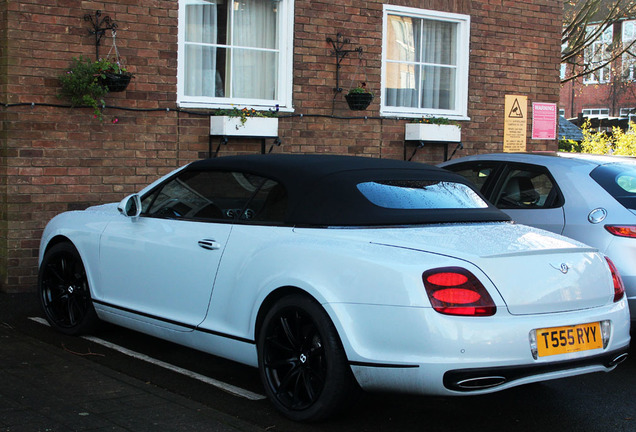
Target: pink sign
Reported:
[(544, 120)]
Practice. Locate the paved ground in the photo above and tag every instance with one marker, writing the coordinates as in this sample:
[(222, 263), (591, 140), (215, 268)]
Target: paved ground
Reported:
[(45, 388)]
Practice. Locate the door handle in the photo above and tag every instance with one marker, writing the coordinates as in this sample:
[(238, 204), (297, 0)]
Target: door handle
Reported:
[(209, 244)]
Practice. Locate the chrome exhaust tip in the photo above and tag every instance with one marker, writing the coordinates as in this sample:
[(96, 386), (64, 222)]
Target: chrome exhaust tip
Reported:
[(618, 359), (481, 382)]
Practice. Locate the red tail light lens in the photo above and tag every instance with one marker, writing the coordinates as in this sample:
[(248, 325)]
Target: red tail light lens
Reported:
[(456, 291), (619, 288), (622, 230)]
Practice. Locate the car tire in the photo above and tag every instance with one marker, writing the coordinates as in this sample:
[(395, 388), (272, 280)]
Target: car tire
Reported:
[(301, 361), (64, 291)]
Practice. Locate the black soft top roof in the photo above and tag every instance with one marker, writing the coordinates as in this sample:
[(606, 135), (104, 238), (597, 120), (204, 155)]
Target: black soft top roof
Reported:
[(322, 189)]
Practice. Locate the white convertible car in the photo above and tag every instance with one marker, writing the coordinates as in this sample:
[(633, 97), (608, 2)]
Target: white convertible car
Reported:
[(334, 273)]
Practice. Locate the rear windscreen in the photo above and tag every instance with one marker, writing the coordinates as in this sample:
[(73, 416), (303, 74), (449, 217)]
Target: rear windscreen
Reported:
[(421, 194), (619, 180)]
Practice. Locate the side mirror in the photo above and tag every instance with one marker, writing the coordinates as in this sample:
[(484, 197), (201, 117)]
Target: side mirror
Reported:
[(130, 206)]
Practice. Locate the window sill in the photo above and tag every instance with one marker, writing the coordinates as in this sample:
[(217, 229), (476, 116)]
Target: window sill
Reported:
[(454, 116), (217, 106)]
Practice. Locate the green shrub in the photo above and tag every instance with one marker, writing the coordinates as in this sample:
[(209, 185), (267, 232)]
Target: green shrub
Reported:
[(571, 146), (619, 142)]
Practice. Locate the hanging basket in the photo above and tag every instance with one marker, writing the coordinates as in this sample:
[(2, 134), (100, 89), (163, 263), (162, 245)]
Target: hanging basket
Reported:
[(359, 101), (116, 82)]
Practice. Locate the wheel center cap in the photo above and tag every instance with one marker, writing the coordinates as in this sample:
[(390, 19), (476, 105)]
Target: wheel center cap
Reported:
[(303, 358), (70, 290)]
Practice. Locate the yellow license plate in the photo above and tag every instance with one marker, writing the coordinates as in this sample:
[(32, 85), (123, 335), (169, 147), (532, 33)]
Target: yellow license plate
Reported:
[(569, 339)]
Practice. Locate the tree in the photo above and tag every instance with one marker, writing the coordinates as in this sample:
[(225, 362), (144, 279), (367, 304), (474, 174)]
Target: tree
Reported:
[(584, 26)]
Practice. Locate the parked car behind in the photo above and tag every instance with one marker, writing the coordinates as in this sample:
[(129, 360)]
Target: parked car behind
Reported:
[(590, 198), (329, 273)]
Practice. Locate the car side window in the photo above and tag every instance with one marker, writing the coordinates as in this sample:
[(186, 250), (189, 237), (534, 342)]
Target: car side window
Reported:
[(527, 188), (214, 196), (269, 204), (477, 173)]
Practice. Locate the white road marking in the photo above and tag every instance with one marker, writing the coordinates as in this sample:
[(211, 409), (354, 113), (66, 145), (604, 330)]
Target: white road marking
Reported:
[(229, 388)]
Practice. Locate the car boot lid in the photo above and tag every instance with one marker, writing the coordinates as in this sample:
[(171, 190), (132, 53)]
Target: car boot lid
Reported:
[(569, 275)]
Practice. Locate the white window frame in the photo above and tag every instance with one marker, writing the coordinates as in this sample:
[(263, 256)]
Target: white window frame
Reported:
[(596, 112), (285, 67), (628, 60), (564, 69), (627, 113), (462, 49), (598, 48)]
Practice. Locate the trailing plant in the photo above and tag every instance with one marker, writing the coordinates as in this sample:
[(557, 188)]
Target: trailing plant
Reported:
[(361, 89), (84, 83), (244, 113), (436, 121)]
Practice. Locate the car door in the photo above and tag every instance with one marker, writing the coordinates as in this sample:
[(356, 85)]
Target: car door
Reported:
[(530, 196), (163, 264), (527, 193)]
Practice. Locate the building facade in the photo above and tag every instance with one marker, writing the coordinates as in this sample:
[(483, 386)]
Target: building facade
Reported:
[(191, 58), (609, 91)]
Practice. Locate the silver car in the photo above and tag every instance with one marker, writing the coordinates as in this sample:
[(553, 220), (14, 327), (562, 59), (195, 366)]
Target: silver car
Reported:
[(590, 198)]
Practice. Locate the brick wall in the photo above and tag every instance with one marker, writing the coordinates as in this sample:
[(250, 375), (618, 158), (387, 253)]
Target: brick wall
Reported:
[(618, 93), (4, 42), (56, 159), (576, 96)]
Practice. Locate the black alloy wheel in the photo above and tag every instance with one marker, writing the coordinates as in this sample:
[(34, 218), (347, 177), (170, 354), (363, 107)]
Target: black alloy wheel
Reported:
[(64, 291), (301, 360)]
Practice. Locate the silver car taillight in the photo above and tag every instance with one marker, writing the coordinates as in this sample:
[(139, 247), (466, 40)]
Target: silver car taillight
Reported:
[(622, 230), (619, 287)]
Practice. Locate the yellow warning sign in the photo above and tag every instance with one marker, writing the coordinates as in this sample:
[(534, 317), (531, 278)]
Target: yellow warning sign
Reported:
[(515, 123), (515, 111)]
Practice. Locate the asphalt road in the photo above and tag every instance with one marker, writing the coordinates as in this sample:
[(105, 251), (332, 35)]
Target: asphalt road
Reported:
[(596, 402)]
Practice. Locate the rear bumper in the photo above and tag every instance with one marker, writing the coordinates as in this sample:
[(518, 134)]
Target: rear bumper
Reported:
[(417, 350), (467, 380), (632, 307)]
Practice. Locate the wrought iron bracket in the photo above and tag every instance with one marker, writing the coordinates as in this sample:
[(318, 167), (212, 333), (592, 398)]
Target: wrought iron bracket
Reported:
[(224, 141), (100, 25), (421, 144), (340, 53)]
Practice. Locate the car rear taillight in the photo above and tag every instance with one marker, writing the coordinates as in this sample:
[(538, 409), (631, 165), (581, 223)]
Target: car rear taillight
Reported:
[(456, 291), (622, 230), (619, 288)]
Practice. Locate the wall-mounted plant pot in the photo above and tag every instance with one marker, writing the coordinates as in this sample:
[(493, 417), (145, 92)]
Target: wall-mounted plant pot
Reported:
[(432, 132), (359, 101), (116, 82), (254, 126)]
